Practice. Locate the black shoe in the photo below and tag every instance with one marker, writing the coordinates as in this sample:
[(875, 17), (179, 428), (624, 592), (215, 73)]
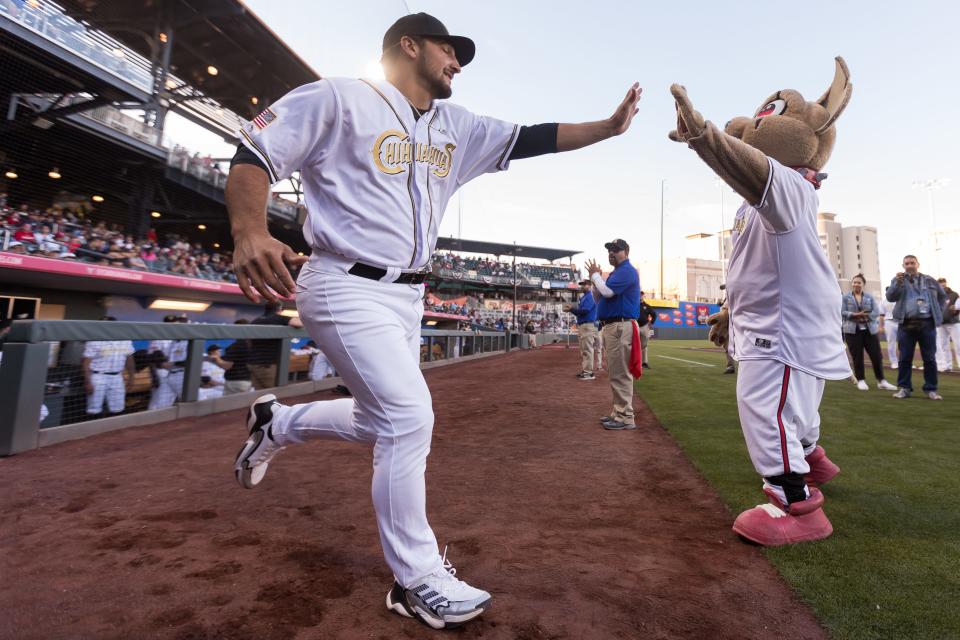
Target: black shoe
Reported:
[(586, 376), (730, 370), (616, 425), (646, 366)]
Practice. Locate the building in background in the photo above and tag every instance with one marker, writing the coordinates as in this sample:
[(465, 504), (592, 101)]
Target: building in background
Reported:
[(851, 250)]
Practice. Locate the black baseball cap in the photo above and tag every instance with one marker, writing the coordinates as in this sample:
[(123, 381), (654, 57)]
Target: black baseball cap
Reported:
[(583, 282), (617, 245), (423, 24)]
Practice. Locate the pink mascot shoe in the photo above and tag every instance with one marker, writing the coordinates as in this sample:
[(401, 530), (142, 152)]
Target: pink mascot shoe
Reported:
[(822, 469), (774, 524)]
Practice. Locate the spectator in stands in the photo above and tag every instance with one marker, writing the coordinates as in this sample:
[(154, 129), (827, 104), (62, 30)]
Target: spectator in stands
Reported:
[(918, 312), (860, 326), (105, 364), (949, 330), (263, 365), (16, 247), (586, 314), (648, 317)]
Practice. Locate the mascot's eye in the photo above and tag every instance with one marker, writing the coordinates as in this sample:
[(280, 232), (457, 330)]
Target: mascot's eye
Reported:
[(774, 108)]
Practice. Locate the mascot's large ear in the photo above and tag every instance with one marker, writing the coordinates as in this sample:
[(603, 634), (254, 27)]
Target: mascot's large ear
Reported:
[(837, 96)]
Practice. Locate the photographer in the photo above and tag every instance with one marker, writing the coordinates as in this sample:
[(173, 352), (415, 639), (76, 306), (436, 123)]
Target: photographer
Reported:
[(918, 311)]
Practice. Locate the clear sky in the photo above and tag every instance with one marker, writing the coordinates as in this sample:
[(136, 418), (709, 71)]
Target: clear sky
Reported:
[(573, 61)]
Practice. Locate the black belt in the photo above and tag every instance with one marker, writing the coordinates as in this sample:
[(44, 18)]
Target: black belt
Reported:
[(371, 272), (108, 373), (612, 320)]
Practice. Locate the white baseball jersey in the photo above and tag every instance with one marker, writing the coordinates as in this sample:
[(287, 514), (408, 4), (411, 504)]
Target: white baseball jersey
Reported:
[(212, 371), (174, 350), (783, 294), (108, 356), (376, 179)]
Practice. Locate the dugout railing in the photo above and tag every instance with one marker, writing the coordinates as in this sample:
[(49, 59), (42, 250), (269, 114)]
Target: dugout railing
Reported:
[(33, 351)]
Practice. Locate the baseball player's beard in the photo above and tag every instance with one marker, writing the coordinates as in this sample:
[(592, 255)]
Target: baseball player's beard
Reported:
[(439, 90)]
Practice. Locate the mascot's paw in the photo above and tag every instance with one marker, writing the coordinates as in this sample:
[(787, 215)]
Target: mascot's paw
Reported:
[(720, 327), (690, 123)]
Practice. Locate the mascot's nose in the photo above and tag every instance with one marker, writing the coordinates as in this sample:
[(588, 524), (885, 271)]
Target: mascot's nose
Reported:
[(756, 124)]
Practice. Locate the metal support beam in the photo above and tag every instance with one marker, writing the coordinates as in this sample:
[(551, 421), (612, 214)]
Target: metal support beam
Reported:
[(23, 377), (192, 371), (283, 362)]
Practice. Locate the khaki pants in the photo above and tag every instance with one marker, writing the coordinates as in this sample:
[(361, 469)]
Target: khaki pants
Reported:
[(644, 340), (263, 376), (587, 335), (617, 341), (598, 348)]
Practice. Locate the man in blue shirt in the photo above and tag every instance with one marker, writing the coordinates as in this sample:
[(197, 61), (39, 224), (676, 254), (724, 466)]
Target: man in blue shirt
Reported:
[(919, 307), (586, 314), (618, 308)]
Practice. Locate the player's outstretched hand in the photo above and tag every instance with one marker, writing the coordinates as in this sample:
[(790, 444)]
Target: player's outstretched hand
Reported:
[(720, 327), (690, 123), (262, 264), (623, 116), (593, 267)]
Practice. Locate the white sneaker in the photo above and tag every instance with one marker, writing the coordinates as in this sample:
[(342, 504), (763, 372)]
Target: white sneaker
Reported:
[(862, 385), (439, 600), (251, 463), (886, 386), (933, 395)]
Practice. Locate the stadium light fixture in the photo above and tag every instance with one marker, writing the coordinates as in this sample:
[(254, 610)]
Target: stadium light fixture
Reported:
[(154, 214), (163, 37), (202, 227), (254, 100), (54, 173), (216, 245), (165, 304), (290, 313), (11, 174), (97, 198), (431, 323), (212, 70)]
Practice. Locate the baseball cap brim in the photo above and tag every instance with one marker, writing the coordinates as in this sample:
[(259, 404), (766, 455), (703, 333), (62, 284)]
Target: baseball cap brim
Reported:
[(463, 47), (613, 246)]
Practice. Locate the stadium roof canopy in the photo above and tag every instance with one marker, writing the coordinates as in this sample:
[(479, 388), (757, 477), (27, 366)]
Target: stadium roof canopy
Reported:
[(503, 249), (250, 59)]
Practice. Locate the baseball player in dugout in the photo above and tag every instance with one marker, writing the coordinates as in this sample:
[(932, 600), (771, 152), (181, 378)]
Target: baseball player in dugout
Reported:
[(379, 161), (618, 308), (586, 314), (782, 315)]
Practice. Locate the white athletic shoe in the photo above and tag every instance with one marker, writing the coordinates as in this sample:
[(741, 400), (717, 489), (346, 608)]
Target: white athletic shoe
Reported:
[(862, 385), (260, 447), (886, 386), (439, 600)]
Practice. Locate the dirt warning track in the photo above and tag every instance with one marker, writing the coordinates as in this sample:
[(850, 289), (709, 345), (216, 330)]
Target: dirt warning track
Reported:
[(576, 531)]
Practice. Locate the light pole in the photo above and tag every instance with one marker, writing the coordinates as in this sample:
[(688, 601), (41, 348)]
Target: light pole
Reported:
[(929, 185), (662, 296), (723, 226)]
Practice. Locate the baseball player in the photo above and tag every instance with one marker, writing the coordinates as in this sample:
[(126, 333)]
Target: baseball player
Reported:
[(104, 363), (170, 374), (379, 162)]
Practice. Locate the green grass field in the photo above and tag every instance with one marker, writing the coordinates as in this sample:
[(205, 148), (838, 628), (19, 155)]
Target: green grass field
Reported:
[(892, 567)]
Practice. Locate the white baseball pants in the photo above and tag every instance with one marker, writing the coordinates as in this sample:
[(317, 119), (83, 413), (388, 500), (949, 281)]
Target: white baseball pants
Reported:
[(779, 414), (370, 332), (168, 391), (109, 387), (945, 334), (890, 331)]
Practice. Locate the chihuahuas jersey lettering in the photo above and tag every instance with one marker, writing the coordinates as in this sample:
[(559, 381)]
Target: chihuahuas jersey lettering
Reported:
[(376, 179), (776, 248)]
